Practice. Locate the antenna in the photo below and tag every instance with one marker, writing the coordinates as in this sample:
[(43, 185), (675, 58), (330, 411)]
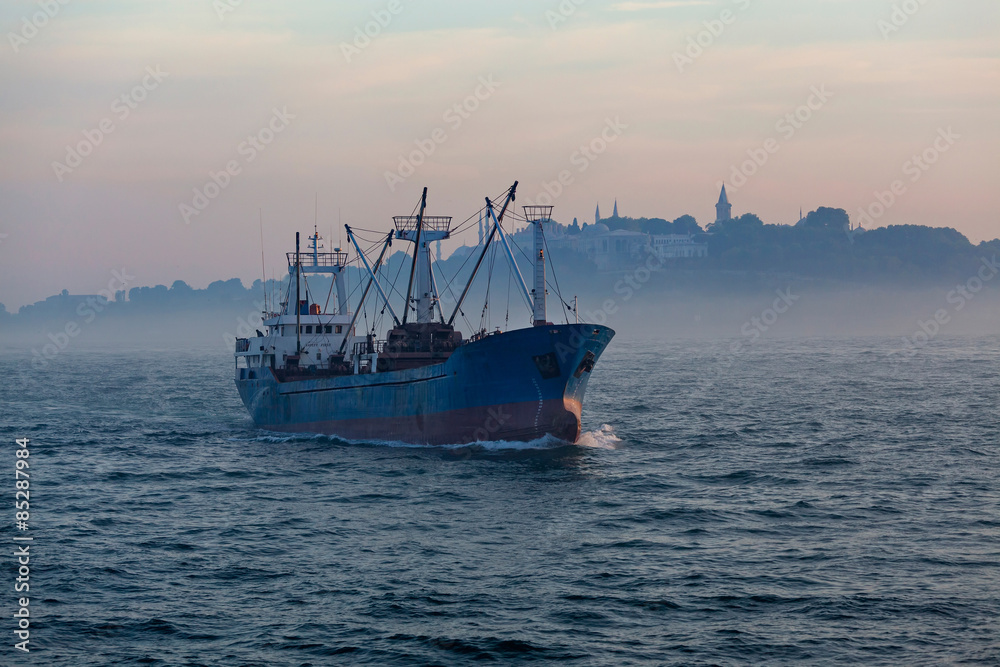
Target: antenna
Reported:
[(263, 272)]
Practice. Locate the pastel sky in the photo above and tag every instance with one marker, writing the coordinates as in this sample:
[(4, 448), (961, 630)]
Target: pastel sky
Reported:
[(675, 119)]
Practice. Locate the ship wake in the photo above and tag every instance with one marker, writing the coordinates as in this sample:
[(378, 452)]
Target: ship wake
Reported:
[(602, 438)]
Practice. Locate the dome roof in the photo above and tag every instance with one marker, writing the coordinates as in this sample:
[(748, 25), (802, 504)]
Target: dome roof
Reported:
[(598, 228)]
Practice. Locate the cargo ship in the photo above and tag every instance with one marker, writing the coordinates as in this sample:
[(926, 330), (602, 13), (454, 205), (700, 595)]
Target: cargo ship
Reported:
[(424, 383)]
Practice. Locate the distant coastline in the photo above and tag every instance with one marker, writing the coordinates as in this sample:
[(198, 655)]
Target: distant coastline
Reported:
[(822, 249)]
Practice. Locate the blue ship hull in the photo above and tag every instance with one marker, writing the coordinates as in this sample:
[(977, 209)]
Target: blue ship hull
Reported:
[(519, 385)]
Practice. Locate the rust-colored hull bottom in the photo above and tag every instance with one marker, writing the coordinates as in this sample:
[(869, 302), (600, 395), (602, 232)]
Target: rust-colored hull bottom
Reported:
[(522, 422)]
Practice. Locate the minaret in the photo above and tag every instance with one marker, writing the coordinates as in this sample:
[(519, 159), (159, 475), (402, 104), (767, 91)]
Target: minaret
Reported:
[(597, 214), (615, 214), (723, 210)]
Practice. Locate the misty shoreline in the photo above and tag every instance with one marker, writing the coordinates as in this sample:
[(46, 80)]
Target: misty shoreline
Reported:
[(759, 307)]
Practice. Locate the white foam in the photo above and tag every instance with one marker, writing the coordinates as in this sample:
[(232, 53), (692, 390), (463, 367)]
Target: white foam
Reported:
[(545, 442), (602, 438)]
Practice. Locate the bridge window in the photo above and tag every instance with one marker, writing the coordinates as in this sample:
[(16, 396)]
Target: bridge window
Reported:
[(329, 329), (340, 329)]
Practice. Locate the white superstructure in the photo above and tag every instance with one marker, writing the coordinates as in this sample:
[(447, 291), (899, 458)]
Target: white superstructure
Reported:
[(306, 335)]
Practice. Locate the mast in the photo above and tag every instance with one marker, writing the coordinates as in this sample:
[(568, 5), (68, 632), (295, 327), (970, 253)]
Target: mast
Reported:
[(422, 231), (537, 215), (539, 291), (416, 253), (298, 301), (482, 255)]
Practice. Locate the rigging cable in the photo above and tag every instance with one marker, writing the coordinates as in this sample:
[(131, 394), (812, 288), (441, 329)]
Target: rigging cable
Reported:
[(554, 287), (552, 263), (447, 288), (506, 317)]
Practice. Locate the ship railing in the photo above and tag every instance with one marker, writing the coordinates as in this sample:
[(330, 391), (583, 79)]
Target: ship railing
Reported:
[(389, 348), (309, 259), (408, 223), (479, 335), (242, 345), (535, 213), (368, 347)]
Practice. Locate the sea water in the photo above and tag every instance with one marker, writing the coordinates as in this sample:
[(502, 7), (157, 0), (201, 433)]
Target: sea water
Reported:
[(822, 501)]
